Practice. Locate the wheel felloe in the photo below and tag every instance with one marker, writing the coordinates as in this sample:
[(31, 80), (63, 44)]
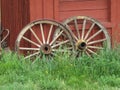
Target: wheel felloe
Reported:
[(89, 35), (38, 38)]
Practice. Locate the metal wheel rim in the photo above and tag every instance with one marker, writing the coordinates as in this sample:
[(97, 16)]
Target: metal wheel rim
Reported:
[(84, 37), (44, 44)]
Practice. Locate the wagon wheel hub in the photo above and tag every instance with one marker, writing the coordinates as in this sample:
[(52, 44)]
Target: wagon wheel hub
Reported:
[(46, 49), (81, 45)]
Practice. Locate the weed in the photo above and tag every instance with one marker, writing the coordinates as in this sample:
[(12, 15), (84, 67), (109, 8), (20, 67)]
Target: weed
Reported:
[(62, 72)]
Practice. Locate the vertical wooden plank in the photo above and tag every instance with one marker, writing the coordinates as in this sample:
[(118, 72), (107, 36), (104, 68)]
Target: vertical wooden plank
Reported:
[(56, 9), (36, 9), (113, 10), (48, 9), (0, 23), (25, 12), (118, 21), (114, 20), (15, 15), (0, 14)]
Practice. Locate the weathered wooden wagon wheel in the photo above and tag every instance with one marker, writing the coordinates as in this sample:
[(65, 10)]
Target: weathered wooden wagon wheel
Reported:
[(37, 39), (90, 36)]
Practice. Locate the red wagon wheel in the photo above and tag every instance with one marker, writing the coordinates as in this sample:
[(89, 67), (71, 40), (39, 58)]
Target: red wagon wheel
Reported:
[(89, 35), (37, 39)]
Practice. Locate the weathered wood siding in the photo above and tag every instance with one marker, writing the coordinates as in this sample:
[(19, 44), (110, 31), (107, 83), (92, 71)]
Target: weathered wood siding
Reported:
[(17, 13)]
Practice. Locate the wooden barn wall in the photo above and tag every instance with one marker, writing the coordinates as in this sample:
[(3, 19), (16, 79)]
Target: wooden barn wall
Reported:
[(98, 9), (106, 11), (15, 15), (40, 9)]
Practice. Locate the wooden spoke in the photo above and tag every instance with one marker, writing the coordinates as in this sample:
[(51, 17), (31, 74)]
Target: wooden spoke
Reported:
[(72, 33), (56, 32), (90, 29), (35, 36), (50, 31), (53, 53), (76, 27), (92, 51), (42, 32), (63, 42), (57, 50), (97, 41), (87, 53), (25, 48), (56, 37), (95, 47), (70, 48), (83, 29), (94, 35), (31, 55), (31, 41)]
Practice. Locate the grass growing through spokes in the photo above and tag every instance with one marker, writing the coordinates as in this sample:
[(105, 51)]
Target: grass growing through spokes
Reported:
[(62, 72)]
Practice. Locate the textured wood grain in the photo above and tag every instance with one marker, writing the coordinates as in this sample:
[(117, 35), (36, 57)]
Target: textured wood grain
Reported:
[(15, 15), (98, 9)]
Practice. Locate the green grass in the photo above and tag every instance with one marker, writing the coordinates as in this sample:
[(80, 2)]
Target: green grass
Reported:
[(63, 72)]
